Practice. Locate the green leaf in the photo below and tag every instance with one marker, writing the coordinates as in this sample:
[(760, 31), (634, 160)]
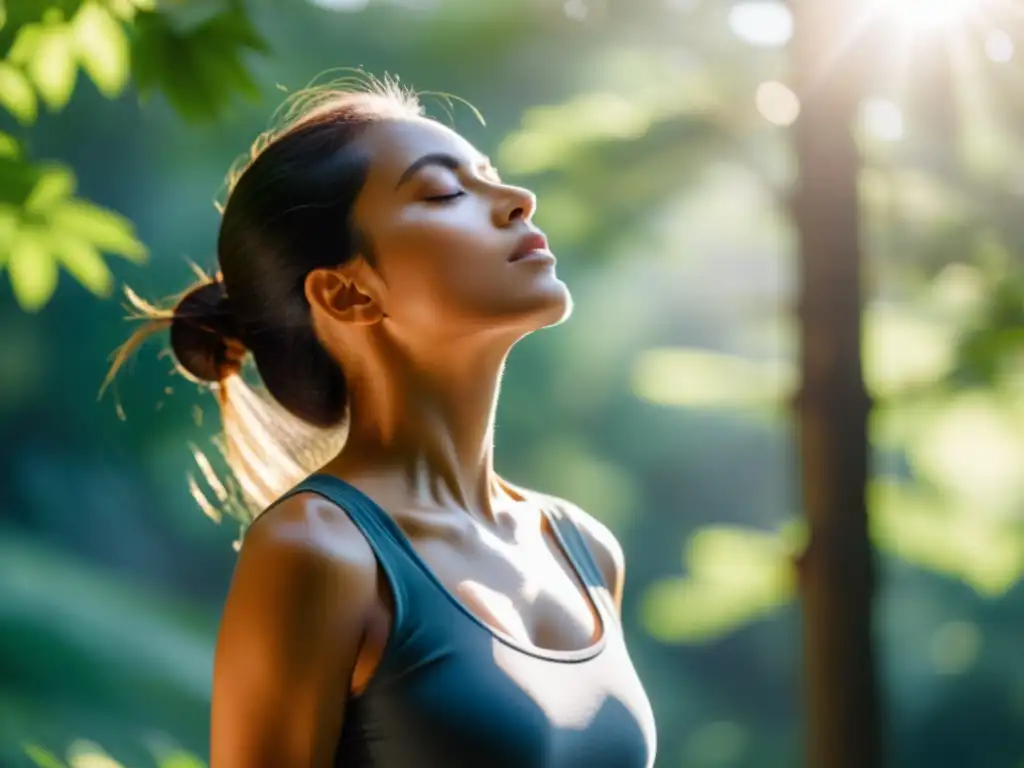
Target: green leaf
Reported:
[(10, 219), (3, 13), (199, 69), (17, 179), (86, 754), (126, 9), (234, 28), (56, 183), (179, 759), (16, 94), (42, 758), (151, 37), (53, 68), (84, 263), (9, 146), (33, 271), (102, 47), (25, 45), (224, 68), (105, 229)]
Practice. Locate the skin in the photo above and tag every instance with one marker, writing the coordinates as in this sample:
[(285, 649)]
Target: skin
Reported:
[(422, 328)]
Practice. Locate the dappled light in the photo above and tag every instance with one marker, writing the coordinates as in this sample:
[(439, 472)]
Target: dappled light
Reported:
[(84, 754), (549, 134), (905, 352), (700, 379), (704, 402), (921, 528), (734, 576), (973, 448)]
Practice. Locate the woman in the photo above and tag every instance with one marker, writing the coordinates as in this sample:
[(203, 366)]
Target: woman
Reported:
[(403, 605)]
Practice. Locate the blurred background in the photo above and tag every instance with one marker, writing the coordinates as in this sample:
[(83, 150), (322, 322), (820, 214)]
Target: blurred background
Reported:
[(657, 136)]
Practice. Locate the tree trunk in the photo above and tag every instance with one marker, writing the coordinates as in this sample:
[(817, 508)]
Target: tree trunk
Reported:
[(836, 570)]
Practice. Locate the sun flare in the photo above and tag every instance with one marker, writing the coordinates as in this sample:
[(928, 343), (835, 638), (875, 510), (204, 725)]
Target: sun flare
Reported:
[(920, 15)]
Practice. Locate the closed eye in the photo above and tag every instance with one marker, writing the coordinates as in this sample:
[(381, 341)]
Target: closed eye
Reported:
[(445, 198)]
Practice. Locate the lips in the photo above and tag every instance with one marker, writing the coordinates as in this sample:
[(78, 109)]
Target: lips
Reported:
[(532, 242)]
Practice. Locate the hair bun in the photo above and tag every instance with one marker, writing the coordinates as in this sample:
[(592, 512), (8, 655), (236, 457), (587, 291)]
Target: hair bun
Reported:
[(205, 335)]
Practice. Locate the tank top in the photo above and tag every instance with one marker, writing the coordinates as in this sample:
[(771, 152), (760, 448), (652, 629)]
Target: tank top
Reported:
[(450, 691)]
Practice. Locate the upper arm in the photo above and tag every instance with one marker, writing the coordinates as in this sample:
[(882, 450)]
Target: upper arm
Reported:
[(289, 638), (606, 550)]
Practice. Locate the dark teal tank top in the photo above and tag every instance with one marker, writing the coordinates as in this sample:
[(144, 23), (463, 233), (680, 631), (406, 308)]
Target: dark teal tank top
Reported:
[(451, 692)]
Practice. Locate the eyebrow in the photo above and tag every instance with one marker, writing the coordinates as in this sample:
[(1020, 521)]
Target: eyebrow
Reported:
[(442, 159)]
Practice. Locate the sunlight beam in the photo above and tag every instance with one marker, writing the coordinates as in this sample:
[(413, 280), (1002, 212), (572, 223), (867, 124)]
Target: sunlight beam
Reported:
[(926, 15)]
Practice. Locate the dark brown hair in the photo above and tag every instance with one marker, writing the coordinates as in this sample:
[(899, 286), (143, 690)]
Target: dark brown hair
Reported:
[(288, 212)]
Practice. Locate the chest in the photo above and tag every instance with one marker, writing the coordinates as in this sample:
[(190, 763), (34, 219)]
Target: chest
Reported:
[(497, 654), (528, 589), (449, 694)]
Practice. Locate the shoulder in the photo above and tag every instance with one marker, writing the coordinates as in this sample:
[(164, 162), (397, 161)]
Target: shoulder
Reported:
[(302, 555), (312, 534), (602, 543), (292, 627)]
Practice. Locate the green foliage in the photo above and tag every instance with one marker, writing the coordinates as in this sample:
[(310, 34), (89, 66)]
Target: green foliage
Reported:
[(49, 52), (197, 68), (42, 757), (84, 754), (16, 93), (43, 226), (661, 407), (940, 217), (735, 575), (988, 353), (965, 449), (50, 227)]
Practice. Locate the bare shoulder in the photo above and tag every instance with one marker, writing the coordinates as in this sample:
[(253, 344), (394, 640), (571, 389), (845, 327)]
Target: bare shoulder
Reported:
[(302, 561), (309, 532), (602, 542), (290, 633)]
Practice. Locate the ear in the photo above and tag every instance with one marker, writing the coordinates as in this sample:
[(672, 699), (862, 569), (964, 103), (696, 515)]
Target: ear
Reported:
[(338, 292)]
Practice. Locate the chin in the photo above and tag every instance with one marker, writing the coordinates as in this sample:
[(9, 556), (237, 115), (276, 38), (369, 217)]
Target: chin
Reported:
[(546, 304), (554, 306), (563, 311)]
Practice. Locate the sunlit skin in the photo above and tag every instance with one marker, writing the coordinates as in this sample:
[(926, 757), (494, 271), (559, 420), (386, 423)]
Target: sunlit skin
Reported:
[(422, 325)]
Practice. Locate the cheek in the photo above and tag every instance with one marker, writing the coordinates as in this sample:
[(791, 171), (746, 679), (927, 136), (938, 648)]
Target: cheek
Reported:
[(441, 267), (450, 234)]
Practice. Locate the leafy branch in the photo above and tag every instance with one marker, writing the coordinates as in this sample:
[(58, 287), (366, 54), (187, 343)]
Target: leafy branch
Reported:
[(196, 65)]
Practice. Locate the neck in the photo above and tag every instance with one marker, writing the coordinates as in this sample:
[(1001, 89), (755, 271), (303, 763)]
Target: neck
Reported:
[(430, 418)]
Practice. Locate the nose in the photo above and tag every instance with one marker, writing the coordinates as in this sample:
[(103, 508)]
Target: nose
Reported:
[(516, 204)]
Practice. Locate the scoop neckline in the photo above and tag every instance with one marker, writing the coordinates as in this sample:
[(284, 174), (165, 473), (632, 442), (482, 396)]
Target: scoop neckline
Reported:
[(551, 654)]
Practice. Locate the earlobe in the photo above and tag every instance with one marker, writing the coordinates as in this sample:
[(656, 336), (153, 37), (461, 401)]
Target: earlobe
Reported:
[(342, 297)]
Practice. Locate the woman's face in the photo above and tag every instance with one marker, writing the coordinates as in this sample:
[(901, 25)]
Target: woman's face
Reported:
[(455, 249)]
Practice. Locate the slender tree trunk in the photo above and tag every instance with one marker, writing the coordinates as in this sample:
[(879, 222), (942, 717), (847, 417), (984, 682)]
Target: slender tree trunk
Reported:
[(836, 570)]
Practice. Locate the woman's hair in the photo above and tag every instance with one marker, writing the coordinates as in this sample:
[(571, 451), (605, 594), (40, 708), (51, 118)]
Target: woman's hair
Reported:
[(288, 212)]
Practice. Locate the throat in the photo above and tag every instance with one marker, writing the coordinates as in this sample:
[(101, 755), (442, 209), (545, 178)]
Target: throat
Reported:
[(435, 432)]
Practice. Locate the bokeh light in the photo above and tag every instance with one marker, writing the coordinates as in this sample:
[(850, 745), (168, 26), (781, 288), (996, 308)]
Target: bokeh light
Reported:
[(929, 14), (777, 103), (762, 22)]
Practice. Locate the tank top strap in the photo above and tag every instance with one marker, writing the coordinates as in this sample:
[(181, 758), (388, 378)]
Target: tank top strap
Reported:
[(380, 531), (580, 554)]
